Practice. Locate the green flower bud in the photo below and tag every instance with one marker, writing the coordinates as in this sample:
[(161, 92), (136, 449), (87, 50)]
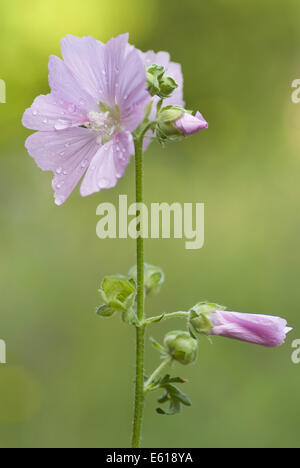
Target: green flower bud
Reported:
[(167, 86), (199, 318), (181, 347), (159, 84), (154, 277), (166, 130), (118, 294)]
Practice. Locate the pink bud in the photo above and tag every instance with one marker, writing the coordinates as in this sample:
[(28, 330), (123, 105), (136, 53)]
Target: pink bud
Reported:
[(189, 124), (264, 330)]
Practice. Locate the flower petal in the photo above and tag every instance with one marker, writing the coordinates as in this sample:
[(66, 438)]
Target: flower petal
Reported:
[(189, 124), (84, 56), (47, 113), (264, 330), (108, 165), (125, 81), (66, 88), (67, 154)]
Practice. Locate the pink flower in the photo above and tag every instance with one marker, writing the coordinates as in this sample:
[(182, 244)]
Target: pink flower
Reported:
[(263, 330), (189, 124), (98, 97)]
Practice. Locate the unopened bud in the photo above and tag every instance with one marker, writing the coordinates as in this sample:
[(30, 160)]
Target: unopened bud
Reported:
[(188, 124), (199, 318), (181, 347), (154, 277)]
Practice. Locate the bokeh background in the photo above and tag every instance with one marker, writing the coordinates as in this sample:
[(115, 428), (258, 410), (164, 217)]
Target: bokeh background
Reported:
[(69, 377)]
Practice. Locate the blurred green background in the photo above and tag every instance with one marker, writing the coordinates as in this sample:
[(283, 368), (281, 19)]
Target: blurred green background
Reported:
[(69, 378)]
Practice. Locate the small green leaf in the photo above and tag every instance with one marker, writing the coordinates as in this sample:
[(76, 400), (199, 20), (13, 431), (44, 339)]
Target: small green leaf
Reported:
[(157, 319), (176, 394)]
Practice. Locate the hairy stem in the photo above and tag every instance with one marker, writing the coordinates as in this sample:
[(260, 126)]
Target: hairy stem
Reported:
[(140, 332)]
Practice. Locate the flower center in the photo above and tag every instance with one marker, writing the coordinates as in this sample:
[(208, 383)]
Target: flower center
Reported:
[(104, 124)]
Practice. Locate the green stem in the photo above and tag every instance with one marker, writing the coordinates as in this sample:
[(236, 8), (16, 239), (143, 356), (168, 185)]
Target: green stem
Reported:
[(157, 372), (180, 314), (140, 332)]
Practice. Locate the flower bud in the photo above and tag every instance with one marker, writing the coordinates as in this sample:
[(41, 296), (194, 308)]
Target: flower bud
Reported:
[(213, 319), (159, 84), (181, 347), (154, 277), (118, 293), (188, 124), (199, 318)]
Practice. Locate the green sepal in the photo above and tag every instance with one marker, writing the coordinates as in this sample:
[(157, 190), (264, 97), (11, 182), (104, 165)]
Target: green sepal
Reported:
[(129, 317), (105, 311), (158, 347), (199, 318), (159, 84), (118, 292), (154, 278)]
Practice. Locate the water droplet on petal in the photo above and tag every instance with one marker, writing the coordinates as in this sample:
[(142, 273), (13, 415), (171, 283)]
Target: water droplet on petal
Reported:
[(62, 153), (82, 102), (35, 112), (84, 163), (103, 183), (59, 200), (45, 121), (65, 172), (72, 108), (61, 125), (59, 170)]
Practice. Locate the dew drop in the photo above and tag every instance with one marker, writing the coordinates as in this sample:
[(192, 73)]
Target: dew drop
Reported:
[(82, 102), (59, 200), (45, 121), (62, 153), (61, 125), (59, 170), (65, 172), (35, 112), (72, 108), (103, 183)]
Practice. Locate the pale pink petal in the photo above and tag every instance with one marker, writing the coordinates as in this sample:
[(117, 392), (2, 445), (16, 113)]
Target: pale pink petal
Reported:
[(84, 56), (264, 330), (189, 124), (48, 113), (108, 165), (66, 88), (126, 81), (67, 154)]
